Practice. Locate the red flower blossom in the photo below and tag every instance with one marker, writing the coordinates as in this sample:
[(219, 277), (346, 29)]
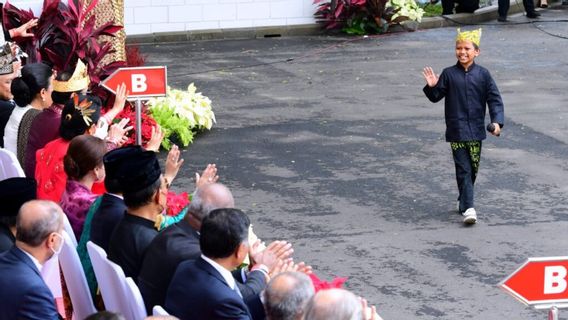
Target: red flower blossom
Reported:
[(147, 123), (324, 285), (176, 203)]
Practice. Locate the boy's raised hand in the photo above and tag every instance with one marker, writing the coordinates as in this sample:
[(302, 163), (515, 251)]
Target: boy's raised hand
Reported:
[(430, 76)]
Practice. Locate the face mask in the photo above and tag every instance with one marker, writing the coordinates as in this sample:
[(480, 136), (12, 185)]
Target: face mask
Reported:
[(58, 251)]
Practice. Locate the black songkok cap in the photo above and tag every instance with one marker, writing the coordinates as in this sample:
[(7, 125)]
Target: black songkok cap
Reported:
[(14, 192), (139, 171), (115, 159)]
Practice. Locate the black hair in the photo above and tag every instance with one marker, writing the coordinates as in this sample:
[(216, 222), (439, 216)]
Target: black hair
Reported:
[(73, 123), (105, 315), (62, 97), (35, 76), (8, 221), (84, 154), (140, 198), (222, 232)]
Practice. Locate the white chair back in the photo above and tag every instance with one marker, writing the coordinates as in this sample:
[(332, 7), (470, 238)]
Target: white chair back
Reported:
[(75, 279), (159, 311), (67, 227), (112, 283), (136, 300), (9, 165)]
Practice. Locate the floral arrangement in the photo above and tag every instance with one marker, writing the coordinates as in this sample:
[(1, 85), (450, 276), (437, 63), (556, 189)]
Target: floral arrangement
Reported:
[(365, 16), (323, 285), (181, 113), (407, 9), (176, 203), (147, 123)]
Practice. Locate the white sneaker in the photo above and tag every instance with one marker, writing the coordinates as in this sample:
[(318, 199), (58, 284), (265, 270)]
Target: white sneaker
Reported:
[(469, 216)]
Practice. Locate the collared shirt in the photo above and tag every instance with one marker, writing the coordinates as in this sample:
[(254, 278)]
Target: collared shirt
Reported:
[(226, 274), (467, 93), (38, 265)]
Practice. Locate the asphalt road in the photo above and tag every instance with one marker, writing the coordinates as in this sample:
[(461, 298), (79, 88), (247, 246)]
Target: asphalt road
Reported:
[(339, 152)]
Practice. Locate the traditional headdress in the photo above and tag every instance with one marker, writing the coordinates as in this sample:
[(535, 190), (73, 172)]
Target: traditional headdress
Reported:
[(6, 59), (474, 36), (78, 81)]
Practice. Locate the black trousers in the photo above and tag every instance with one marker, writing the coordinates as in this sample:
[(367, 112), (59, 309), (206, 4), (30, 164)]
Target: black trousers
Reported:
[(504, 7), (464, 6), (466, 162)]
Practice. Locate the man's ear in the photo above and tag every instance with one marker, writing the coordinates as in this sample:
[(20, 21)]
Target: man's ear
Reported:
[(241, 252)]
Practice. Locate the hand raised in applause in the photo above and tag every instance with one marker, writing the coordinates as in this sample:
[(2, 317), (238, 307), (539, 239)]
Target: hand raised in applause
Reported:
[(156, 139), (173, 163), (118, 131), (274, 252), (209, 175), (22, 31), (430, 76)]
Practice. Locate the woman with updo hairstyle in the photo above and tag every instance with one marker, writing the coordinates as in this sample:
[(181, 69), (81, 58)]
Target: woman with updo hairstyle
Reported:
[(83, 164), (32, 94), (79, 116)]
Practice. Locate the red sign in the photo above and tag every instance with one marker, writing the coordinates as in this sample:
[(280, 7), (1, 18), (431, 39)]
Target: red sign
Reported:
[(540, 281), (141, 82)]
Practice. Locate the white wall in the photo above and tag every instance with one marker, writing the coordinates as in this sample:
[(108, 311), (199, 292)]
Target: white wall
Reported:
[(151, 16)]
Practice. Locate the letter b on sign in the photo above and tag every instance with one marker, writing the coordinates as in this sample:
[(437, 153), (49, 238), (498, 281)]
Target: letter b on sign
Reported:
[(554, 279), (139, 83)]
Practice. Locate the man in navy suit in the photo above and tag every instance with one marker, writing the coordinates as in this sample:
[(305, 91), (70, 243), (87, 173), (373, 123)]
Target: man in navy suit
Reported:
[(205, 288), (38, 238)]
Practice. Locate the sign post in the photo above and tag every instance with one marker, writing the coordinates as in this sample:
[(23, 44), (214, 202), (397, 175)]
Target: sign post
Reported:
[(141, 83), (541, 283)]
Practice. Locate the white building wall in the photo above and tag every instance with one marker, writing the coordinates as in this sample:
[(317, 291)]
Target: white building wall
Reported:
[(154, 16)]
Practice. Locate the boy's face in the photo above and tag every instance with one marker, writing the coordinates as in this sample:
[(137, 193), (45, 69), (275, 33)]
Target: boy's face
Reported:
[(466, 52)]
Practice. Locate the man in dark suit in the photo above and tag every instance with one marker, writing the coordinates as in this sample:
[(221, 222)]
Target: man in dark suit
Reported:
[(14, 192), (205, 288), (145, 194), (180, 242), (38, 238)]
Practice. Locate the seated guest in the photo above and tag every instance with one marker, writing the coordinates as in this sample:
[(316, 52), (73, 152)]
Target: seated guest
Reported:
[(287, 295), (45, 127), (38, 238), (205, 288), (14, 192), (83, 164), (180, 241), (32, 93), (334, 304), (78, 117), (145, 195), (7, 74)]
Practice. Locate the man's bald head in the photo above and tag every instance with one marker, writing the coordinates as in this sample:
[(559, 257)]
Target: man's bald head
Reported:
[(210, 197), (334, 304), (287, 295), (37, 219)]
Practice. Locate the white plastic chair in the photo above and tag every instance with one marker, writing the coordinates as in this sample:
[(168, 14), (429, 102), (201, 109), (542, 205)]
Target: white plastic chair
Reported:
[(9, 165), (67, 227), (159, 311), (112, 283), (75, 279), (136, 301)]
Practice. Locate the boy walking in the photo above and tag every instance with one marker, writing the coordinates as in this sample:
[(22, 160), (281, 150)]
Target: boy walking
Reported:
[(467, 88)]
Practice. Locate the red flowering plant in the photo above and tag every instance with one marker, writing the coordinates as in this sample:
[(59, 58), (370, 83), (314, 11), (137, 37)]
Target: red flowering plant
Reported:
[(176, 203), (323, 285), (147, 123)]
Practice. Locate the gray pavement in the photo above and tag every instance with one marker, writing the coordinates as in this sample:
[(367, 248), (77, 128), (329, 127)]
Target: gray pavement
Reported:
[(339, 152)]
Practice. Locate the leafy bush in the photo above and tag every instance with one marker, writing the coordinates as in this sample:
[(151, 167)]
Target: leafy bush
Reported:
[(181, 114), (365, 16)]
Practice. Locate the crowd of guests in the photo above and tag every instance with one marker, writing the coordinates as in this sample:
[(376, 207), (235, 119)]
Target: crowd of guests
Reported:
[(206, 264)]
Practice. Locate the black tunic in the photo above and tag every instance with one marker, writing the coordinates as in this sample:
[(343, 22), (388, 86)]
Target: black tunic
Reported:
[(105, 219), (129, 242)]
